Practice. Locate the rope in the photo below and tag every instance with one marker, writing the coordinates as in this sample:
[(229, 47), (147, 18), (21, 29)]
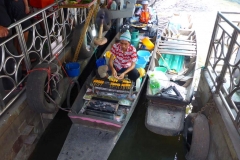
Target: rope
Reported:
[(48, 70), (59, 62), (67, 110)]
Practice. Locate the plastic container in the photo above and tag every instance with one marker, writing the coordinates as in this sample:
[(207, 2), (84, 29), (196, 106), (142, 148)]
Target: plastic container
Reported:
[(141, 63), (167, 62), (161, 69), (138, 83), (143, 55), (113, 6), (101, 62), (107, 56), (177, 63), (135, 38), (73, 69), (174, 62), (146, 42)]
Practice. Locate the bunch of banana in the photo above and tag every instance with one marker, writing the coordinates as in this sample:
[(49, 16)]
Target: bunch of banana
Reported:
[(117, 85), (112, 79), (126, 86), (126, 81), (97, 82)]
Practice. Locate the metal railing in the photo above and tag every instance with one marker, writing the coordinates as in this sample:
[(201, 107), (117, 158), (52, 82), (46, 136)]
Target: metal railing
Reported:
[(48, 35), (223, 62)]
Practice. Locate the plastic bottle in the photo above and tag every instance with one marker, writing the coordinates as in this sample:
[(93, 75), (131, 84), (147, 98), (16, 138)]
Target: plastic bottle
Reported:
[(113, 5), (138, 84), (154, 85)]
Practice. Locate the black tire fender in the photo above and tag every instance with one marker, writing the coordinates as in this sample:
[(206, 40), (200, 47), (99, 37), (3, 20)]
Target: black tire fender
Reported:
[(35, 89), (200, 136), (85, 52)]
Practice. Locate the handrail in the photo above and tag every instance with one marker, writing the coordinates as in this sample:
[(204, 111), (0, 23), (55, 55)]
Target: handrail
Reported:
[(39, 45), (224, 74)]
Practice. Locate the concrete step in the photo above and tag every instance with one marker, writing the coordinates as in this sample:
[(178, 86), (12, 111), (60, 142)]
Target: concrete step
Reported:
[(30, 139), (25, 129)]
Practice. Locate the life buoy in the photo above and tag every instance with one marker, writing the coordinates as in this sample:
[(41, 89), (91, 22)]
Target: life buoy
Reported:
[(36, 85), (197, 136)]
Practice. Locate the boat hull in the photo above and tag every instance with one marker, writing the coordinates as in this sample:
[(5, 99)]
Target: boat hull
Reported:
[(90, 130), (166, 113)]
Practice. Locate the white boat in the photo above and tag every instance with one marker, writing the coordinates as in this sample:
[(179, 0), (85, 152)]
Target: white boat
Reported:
[(176, 53)]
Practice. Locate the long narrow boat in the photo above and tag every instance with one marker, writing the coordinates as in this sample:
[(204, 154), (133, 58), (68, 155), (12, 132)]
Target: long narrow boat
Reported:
[(93, 135), (177, 56)]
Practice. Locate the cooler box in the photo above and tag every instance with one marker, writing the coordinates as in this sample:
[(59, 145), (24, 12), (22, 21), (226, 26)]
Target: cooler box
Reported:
[(40, 3)]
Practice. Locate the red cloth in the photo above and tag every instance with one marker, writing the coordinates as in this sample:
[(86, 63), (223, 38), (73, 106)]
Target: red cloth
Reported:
[(40, 3), (123, 60)]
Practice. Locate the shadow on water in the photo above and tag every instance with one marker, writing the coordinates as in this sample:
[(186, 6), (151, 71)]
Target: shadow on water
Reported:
[(138, 143)]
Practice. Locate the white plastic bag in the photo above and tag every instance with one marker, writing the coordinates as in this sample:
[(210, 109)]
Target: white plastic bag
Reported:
[(158, 81)]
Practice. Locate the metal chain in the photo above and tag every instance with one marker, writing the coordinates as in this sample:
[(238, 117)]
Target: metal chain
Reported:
[(211, 105)]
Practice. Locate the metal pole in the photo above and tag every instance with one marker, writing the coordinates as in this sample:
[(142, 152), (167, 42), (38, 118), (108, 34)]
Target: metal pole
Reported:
[(75, 17), (64, 36), (212, 39), (47, 33), (23, 46)]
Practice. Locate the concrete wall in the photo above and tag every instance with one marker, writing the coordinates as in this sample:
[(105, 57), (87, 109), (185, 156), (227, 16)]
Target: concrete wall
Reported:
[(17, 126), (21, 127), (224, 138)]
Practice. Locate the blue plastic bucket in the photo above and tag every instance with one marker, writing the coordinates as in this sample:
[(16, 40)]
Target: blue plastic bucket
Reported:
[(141, 63), (143, 54), (72, 69), (101, 62)]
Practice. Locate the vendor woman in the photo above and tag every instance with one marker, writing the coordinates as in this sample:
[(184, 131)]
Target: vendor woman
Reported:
[(123, 58)]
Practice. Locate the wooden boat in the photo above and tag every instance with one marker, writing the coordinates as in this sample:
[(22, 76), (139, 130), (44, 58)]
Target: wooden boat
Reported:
[(93, 135), (167, 108)]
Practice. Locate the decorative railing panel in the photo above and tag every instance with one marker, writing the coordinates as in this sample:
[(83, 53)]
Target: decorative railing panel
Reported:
[(49, 33), (223, 62)]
